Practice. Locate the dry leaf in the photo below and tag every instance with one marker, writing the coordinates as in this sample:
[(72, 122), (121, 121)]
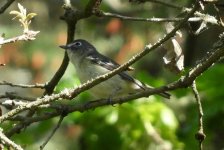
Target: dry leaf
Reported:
[(174, 58)]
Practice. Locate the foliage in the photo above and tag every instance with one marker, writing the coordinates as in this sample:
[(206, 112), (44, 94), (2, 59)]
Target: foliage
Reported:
[(23, 17)]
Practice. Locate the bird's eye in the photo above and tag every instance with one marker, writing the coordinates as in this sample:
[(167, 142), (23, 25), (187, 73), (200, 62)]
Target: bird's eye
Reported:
[(77, 43)]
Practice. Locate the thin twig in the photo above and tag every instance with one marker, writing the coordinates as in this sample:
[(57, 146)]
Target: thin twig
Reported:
[(6, 5), (36, 85), (9, 142), (154, 20), (200, 135), (53, 132), (28, 36)]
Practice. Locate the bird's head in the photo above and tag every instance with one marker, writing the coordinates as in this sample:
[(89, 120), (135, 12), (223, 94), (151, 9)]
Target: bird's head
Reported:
[(79, 47)]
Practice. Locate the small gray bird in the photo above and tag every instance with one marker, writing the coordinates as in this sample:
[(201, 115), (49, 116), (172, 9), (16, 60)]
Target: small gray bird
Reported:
[(89, 64)]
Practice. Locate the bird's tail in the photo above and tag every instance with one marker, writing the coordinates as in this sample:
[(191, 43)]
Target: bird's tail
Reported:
[(165, 95), (146, 86)]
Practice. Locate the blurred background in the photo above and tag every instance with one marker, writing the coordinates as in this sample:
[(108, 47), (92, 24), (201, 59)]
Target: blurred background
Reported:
[(148, 123)]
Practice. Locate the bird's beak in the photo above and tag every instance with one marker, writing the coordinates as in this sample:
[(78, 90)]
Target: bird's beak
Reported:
[(64, 47)]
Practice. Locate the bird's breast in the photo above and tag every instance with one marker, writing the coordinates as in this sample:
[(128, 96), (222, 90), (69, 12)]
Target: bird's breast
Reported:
[(87, 71)]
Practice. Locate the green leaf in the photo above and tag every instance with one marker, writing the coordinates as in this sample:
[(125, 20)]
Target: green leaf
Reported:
[(14, 12), (30, 16), (24, 19), (22, 9)]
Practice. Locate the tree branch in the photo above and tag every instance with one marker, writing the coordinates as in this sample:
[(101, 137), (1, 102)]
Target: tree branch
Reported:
[(60, 72), (52, 133), (7, 4), (200, 135), (27, 36), (156, 20), (37, 85), (8, 142), (11, 104), (71, 17)]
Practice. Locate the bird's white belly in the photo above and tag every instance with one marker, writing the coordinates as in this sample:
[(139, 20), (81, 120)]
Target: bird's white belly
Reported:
[(112, 87)]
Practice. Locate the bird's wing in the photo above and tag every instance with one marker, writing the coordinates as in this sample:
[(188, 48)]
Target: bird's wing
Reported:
[(110, 65)]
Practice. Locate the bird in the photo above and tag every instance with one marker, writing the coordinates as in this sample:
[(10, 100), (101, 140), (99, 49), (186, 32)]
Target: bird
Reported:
[(89, 64)]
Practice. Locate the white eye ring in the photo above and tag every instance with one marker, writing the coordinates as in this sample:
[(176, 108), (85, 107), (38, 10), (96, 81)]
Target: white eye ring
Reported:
[(77, 43)]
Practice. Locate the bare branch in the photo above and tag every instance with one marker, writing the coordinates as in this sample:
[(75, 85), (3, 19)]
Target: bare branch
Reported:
[(71, 17), (200, 135), (9, 142), (27, 36), (61, 70), (11, 104), (37, 85), (7, 4), (52, 133), (154, 20)]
